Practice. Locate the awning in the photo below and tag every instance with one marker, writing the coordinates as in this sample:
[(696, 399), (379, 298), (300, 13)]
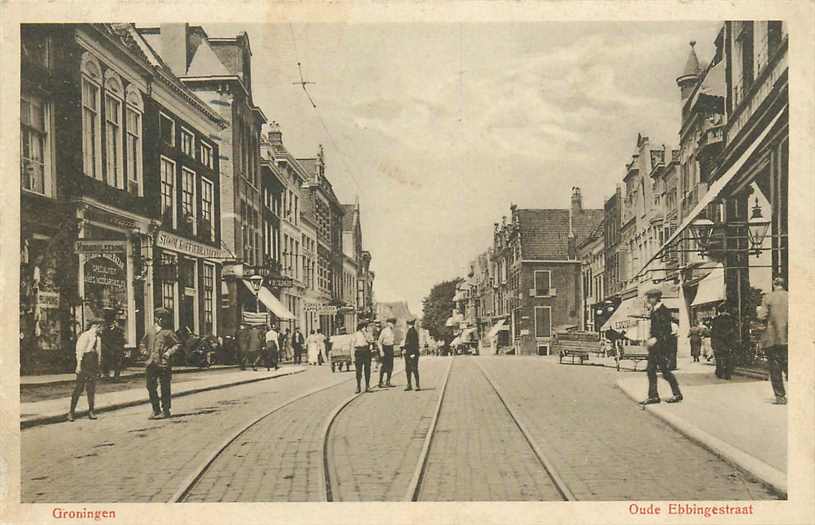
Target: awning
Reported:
[(271, 302), (714, 191), (626, 316), (711, 288), (255, 318), (500, 326)]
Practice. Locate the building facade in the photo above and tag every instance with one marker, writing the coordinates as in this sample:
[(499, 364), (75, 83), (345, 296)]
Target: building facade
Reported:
[(95, 225)]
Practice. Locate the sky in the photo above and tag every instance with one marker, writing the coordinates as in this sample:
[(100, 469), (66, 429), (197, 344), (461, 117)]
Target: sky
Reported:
[(438, 128)]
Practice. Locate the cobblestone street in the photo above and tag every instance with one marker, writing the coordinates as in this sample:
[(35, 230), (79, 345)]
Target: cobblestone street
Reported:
[(600, 443)]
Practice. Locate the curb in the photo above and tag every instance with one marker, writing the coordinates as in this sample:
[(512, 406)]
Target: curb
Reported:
[(59, 418), (765, 473), (128, 376)]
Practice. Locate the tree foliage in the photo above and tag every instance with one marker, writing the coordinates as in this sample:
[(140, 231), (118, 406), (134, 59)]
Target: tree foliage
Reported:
[(437, 308)]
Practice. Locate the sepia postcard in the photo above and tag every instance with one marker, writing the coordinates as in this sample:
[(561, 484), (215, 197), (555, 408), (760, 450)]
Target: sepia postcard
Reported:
[(407, 262)]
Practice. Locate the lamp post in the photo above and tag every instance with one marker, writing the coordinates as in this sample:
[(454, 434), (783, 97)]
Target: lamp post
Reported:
[(702, 229), (256, 281), (757, 228)]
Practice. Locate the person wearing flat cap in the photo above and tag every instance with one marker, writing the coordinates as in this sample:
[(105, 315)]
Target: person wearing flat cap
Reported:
[(159, 343), (659, 349), (411, 349), (775, 310)]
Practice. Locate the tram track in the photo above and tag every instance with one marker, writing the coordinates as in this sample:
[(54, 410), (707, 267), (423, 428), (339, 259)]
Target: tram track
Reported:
[(201, 470)]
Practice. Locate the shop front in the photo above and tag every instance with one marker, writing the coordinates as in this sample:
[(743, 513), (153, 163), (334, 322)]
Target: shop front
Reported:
[(187, 282)]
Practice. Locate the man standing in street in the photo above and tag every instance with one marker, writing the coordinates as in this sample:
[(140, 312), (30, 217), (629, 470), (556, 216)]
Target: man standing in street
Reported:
[(659, 349), (255, 341), (159, 343), (88, 347), (113, 344), (386, 348), (361, 341), (774, 309), (272, 352), (243, 345), (411, 350), (723, 335)]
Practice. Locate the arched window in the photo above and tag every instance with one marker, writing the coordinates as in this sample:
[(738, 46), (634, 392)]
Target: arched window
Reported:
[(114, 96), (91, 117), (133, 136)]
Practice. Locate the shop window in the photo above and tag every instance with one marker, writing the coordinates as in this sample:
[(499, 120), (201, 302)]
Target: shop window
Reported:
[(133, 146), (187, 142), (35, 133), (209, 298), (91, 117), (113, 130), (168, 208), (167, 129)]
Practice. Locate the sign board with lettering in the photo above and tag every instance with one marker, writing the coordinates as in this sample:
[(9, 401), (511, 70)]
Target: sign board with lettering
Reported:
[(96, 247), (322, 309), (280, 282), (48, 300), (104, 278), (169, 241)]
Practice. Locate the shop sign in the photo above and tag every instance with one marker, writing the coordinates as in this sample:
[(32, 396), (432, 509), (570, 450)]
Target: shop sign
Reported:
[(168, 241), (98, 247), (280, 282), (48, 300), (322, 309), (105, 283)]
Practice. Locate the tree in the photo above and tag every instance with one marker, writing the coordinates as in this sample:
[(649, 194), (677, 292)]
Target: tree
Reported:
[(437, 308)]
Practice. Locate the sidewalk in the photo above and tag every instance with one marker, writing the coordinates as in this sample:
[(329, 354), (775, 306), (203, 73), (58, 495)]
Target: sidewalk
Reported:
[(133, 371), (55, 410), (735, 419)]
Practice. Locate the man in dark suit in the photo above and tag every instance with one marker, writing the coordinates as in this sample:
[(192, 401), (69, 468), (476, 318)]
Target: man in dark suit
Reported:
[(723, 337), (159, 343), (411, 350), (659, 349)]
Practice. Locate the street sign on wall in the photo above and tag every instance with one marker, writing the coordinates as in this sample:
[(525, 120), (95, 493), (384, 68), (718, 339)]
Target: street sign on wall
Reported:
[(281, 282)]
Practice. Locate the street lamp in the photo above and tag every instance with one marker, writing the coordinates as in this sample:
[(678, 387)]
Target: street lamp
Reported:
[(256, 281), (702, 229), (757, 228)]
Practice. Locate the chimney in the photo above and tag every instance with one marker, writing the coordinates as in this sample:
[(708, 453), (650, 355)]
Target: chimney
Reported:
[(577, 200), (175, 47), (275, 135)]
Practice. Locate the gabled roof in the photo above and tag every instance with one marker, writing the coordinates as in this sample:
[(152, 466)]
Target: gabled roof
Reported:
[(348, 222), (545, 233), (205, 62)]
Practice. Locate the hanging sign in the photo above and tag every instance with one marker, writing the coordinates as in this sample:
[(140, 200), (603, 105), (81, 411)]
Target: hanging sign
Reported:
[(320, 309)]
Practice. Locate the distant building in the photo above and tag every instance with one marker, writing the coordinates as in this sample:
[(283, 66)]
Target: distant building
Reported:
[(535, 255)]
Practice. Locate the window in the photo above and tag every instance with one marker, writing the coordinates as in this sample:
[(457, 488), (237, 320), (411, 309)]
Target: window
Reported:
[(206, 155), (187, 142), (113, 130), (34, 127), (36, 48), (209, 299), (208, 225), (91, 118), (133, 126), (167, 129), (168, 285), (543, 321), (543, 283), (188, 198), (168, 213)]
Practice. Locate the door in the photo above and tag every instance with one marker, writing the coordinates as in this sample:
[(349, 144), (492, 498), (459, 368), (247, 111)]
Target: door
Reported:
[(188, 312)]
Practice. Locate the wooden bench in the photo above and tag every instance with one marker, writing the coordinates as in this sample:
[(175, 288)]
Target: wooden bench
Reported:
[(631, 353), (578, 346)]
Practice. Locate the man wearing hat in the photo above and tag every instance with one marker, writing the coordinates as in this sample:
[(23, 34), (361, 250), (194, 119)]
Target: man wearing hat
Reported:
[(159, 343), (723, 334), (386, 347), (361, 342), (659, 349), (411, 350), (774, 309), (113, 343)]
